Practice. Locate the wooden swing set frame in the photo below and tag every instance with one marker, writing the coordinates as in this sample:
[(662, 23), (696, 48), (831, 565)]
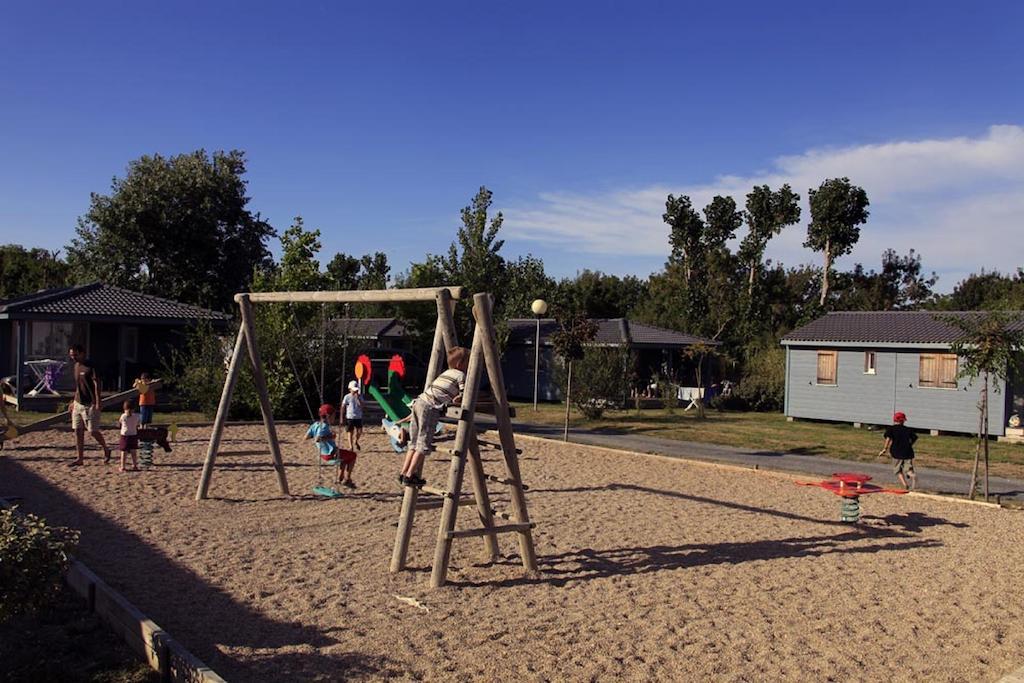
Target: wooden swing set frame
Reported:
[(484, 357)]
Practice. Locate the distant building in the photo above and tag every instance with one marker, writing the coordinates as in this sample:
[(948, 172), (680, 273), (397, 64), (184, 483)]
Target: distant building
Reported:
[(373, 333), (124, 333), (657, 350), (864, 366)]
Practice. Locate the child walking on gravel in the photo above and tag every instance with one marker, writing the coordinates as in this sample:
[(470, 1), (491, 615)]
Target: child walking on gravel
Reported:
[(445, 390), (129, 422), (899, 443)]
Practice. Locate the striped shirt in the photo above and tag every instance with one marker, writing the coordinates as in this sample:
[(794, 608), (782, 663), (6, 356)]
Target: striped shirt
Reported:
[(445, 388)]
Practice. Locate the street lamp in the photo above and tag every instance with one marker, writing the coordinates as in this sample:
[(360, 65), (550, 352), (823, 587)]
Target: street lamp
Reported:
[(539, 308)]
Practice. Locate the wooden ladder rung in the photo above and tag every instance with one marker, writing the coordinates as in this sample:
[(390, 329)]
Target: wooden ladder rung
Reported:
[(435, 491), (436, 503), (483, 531), (506, 482)]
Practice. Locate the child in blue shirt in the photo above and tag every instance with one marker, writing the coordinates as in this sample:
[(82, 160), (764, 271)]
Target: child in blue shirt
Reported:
[(323, 435)]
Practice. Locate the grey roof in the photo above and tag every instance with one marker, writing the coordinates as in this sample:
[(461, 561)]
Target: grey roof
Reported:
[(369, 328), (105, 302), (610, 331), (887, 327)]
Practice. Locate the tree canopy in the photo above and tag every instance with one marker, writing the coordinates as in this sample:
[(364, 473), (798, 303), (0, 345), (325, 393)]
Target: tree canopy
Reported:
[(838, 208), (177, 227), (23, 271)]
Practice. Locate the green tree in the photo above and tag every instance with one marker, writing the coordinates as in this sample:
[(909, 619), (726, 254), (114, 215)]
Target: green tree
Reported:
[(473, 258), (990, 347), (722, 273), (767, 213), (23, 271), (343, 272), (574, 333), (837, 209), (177, 227), (473, 261), (900, 285), (986, 290), (598, 295)]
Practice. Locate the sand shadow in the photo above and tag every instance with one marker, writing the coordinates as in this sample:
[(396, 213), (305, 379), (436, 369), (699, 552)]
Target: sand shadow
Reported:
[(914, 522), (891, 533), (696, 499), (588, 564), (237, 625)]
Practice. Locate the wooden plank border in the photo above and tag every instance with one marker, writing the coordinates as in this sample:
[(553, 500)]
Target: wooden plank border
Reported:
[(144, 637)]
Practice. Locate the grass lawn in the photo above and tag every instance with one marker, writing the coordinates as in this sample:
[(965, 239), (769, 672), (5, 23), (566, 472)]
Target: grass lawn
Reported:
[(771, 431)]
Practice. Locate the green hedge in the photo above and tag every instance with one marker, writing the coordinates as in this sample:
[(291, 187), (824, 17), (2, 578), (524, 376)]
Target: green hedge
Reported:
[(33, 559)]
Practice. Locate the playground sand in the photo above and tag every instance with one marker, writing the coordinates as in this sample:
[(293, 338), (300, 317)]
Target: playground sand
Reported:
[(651, 569)]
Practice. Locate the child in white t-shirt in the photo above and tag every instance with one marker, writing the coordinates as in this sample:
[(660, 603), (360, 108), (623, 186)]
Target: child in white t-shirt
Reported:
[(129, 421)]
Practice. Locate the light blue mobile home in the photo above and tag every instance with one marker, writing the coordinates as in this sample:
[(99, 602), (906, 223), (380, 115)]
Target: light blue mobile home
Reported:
[(864, 366)]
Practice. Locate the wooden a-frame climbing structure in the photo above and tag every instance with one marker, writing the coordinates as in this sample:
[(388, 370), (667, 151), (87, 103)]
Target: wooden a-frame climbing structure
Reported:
[(466, 447)]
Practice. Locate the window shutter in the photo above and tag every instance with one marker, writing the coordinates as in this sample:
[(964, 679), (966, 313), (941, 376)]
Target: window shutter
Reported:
[(949, 371), (826, 367)]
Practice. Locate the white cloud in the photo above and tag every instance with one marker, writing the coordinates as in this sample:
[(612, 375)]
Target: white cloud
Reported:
[(958, 201)]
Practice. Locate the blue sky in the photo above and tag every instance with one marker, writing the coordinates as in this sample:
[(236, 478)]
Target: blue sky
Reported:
[(378, 121)]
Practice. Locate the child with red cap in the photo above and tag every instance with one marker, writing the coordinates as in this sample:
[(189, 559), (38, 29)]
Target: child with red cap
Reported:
[(899, 443), (322, 434)]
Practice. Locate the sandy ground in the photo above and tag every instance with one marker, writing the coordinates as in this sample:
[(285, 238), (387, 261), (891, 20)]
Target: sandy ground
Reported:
[(651, 569)]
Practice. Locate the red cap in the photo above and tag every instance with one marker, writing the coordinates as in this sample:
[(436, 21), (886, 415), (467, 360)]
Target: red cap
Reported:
[(899, 417), (326, 409)]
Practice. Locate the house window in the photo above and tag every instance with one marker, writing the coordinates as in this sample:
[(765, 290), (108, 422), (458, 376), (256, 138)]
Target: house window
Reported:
[(938, 370), (130, 344), (869, 362), (827, 362), (48, 339)]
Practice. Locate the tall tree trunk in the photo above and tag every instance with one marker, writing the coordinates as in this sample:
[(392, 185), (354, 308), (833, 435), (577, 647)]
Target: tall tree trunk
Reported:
[(750, 279), (568, 396), (700, 388), (824, 275), (977, 448), (985, 435)]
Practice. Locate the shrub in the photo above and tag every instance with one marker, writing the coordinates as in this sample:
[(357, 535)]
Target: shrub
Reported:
[(33, 558), (763, 386), (599, 380)]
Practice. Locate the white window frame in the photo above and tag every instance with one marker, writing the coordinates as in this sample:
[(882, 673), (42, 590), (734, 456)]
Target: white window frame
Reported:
[(870, 362)]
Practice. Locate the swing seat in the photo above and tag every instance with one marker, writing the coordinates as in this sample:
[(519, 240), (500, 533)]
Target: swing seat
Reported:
[(327, 492), (393, 431), (328, 460)]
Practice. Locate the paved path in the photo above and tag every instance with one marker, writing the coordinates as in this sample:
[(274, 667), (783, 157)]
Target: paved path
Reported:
[(938, 481)]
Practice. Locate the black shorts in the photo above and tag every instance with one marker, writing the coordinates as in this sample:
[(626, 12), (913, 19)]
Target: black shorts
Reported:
[(353, 423)]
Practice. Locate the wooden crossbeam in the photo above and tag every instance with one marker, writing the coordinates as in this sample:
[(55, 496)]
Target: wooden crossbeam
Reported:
[(486, 531), (353, 296)]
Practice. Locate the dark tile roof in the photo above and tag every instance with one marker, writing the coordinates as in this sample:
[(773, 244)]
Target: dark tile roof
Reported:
[(101, 301), (369, 328), (886, 327), (614, 331)]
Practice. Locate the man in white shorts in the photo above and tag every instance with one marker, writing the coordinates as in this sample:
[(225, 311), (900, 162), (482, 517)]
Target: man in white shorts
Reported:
[(85, 409)]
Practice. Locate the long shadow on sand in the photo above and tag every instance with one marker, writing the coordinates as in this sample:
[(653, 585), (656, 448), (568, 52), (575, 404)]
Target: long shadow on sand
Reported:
[(693, 498), (880, 534), (236, 624)]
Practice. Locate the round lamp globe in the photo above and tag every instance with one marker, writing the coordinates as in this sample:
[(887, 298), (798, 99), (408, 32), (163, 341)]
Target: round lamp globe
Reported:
[(539, 307)]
